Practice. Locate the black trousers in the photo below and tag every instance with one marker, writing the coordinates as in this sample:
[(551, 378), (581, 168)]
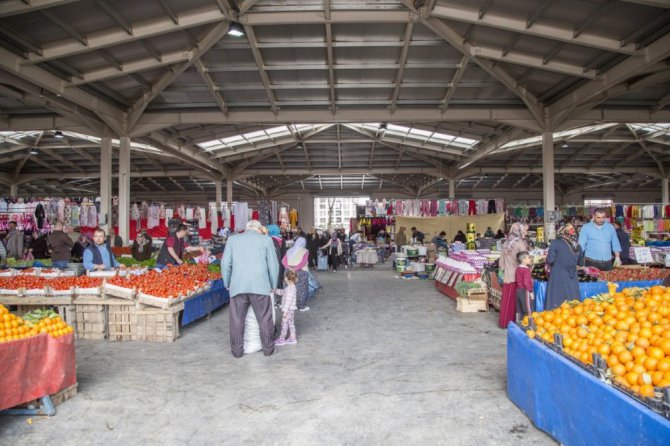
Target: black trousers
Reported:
[(237, 314), (521, 304), (334, 259), (602, 266), (313, 257)]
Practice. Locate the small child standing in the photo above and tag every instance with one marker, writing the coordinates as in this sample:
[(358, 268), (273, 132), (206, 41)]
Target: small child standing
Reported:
[(288, 307), (525, 300)]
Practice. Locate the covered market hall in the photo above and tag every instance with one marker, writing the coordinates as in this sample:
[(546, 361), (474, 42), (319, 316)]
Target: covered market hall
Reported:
[(335, 222)]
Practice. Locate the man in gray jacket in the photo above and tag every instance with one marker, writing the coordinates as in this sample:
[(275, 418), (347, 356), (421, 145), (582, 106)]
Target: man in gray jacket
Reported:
[(249, 268), (14, 241)]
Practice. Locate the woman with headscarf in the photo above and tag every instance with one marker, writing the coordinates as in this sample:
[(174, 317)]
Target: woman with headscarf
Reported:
[(141, 249), (313, 243), (296, 260), (334, 246), (280, 249), (508, 263), (563, 257)]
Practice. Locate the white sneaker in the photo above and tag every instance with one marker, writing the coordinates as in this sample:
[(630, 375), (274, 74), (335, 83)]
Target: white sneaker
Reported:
[(304, 309)]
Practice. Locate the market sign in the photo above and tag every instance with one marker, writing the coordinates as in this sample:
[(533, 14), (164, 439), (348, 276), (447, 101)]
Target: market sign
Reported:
[(643, 254)]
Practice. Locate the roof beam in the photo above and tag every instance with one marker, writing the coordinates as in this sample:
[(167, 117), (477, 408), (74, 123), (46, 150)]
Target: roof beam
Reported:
[(598, 13), (261, 67), (317, 17), (67, 27), (402, 61), (643, 144), (140, 30), (111, 11), (212, 87), (156, 183), (492, 146), (455, 40), (520, 25), (454, 82), (345, 171), (247, 5), (13, 7), (656, 3), (651, 55), (331, 62), (215, 33), (566, 170)]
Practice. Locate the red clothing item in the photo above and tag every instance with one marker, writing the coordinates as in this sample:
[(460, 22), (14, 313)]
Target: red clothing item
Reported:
[(523, 278)]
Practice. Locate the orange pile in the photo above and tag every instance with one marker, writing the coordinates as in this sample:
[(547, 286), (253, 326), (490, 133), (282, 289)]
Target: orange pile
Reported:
[(631, 332), (13, 328)]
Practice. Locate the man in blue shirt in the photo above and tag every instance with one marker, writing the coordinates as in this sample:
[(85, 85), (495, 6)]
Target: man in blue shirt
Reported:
[(599, 240), (99, 256)]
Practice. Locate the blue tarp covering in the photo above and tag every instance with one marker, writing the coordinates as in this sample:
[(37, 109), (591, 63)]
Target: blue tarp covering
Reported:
[(586, 289), (658, 243), (573, 406), (204, 303)]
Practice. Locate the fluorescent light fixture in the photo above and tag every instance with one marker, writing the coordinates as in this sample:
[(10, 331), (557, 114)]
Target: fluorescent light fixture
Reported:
[(34, 151), (58, 134), (236, 30), (565, 145)]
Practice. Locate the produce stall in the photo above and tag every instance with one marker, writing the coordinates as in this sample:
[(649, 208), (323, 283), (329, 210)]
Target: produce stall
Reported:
[(37, 360), (629, 277)]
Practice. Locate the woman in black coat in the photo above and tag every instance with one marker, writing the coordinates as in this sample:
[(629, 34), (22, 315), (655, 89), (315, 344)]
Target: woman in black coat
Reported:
[(563, 257)]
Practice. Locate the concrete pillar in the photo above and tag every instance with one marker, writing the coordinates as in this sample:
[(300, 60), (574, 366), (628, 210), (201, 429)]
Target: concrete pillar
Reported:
[(13, 190), (548, 188), (665, 191), (229, 193), (452, 188), (124, 189), (219, 199), (106, 182)]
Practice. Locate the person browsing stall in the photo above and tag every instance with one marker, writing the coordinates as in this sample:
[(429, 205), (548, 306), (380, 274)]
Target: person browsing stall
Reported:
[(599, 240), (439, 241), (417, 235), (141, 249), (99, 256), (525, 299), (174, 247), (624, 241), (61, 247)]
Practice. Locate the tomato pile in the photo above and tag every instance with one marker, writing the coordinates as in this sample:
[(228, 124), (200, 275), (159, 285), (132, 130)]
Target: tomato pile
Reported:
[(17, 282), (13, 328), (122, 250), (66, 283), (631, 331), (633, 274), (173, 281)]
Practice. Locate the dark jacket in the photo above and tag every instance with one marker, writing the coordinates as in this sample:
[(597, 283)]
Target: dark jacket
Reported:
[(40, 247), (419, 236), (97, 255), (60, 244), (164, 257), (144, 254)]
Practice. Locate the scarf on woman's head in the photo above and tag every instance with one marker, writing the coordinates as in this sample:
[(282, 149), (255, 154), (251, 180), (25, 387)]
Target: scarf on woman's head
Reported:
[(569, 234), (516, 234), (296, 258), (273, 231)]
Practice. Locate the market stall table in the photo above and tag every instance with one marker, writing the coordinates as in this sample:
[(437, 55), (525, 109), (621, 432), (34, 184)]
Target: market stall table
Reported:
[(572, 405), (204, 303), (36, 367), (586, 289)]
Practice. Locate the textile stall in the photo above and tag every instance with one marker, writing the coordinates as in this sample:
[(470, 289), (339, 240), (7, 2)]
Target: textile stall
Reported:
[(451, 224)]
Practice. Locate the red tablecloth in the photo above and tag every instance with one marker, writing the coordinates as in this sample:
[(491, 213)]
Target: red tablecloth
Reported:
[(35, 367)]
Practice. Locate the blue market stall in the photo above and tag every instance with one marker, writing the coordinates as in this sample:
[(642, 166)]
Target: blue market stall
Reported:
[(573, 406), (586, 289), (204, 303)]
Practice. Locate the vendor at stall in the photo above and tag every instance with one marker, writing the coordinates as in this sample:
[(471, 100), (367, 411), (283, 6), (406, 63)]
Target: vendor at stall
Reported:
[(499, 235), (141, 249), (400, 238), (417, 235), (174, 247), (489, 233), (460, 237), (99, 256), (439, 241), (599, 240)]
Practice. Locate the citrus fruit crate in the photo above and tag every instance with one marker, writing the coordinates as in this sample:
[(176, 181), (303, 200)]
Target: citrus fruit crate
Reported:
[(91, 314), (159, 302), (118, 291), (158, 325), (660, 404), (121, 320)]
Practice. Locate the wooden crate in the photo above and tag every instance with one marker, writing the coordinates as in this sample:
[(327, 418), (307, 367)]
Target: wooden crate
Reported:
[(121, 320), (465, 305), (91, 318), (478, 294), (56, 399), (495, 297), (158, 325)]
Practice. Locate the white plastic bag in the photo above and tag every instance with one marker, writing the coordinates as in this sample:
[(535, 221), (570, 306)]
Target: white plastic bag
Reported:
[(252, 333)]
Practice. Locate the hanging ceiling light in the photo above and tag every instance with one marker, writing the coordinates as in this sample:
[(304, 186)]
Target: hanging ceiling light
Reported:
[(236, 30), (58, 134), (565, 145), (34, 151)]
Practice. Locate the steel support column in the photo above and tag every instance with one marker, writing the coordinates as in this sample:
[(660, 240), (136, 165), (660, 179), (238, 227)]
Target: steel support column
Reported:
[(13, 190), (452, 188), (229, 194), (124, 189), (548, 193), (665, 194), (106, 181)]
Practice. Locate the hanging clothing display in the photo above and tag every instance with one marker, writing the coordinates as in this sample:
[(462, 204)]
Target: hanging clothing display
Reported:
[(241, 213), (293, 218)]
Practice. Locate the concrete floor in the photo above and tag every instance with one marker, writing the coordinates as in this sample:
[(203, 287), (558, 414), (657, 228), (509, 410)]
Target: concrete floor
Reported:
[(379, 361)]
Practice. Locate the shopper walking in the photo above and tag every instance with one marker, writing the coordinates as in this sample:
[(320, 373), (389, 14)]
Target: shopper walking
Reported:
[(288, 307), (60, 245), (295, 261), (599, 240), (249, 268), (14, 241), (313, 243), (563, 258), (508, 262), (334, 247)]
